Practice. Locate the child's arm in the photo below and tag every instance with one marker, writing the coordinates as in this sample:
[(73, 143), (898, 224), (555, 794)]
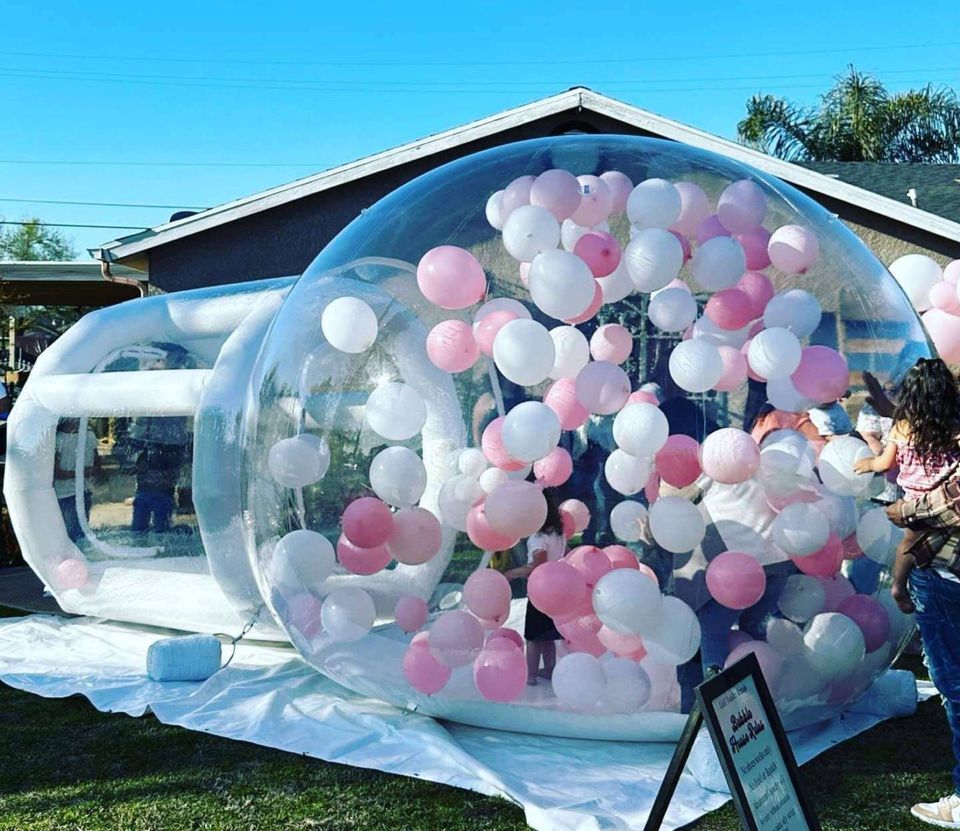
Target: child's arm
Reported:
[(878, 464), (902, 566), (539, 557)]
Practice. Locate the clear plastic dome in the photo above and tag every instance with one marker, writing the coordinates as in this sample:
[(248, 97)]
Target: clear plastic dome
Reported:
[(390, 440)]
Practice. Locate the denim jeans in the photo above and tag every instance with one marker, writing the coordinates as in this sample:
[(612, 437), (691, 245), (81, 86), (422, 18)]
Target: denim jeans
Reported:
[(68, 510), (158, 504), (937, 601)]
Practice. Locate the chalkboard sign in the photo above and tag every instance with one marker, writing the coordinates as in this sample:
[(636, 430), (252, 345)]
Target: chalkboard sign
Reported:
[(754, 751)]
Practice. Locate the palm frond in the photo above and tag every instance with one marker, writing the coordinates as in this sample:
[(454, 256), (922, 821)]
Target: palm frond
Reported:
[(776, 127)]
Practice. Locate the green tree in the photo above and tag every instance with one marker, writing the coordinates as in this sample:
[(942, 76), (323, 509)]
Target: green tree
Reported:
[(858, 119), (34, 241)]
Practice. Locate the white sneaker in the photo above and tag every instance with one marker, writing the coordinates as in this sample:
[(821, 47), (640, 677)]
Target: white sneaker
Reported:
[(943, 814)]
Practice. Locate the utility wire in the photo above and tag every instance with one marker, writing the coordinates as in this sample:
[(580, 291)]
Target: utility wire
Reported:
[(320, 166), (103, 204), (73, 225)]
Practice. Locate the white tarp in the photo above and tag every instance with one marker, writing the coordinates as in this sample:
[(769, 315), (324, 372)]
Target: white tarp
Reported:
[(270, 697)]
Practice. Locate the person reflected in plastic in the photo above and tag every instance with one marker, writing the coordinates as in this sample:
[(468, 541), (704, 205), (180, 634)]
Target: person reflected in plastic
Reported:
[(65, 474)]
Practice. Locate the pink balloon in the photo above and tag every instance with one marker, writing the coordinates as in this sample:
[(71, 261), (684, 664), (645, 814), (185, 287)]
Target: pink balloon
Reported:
[(651, 490), (611, 342), (684, 246), (515, 509), (367, 522), (602, 387), (416, 536), (730, 309), (451, 277), (737, 638), (553, 469), (754, 244), (709, 228), (410, 612), (620, 186), (592, 309), (735, 369), (620, 644), (561, 397), (580, 634), (759, 289), (621, 557), (943, 296), (569, 524), (730, 456), (362, 560), (486, 329), (836, 589), (596, 202), (482, 535), (825, 562), (499, 673), (870, 615), (558, 191), (678, 461), (452, 347), (742, 206), (735, 580), (491, 442), (511, 635), (71, 574), (590, 561), (423, 671), (600, 251), (771, 663), (515, 195), (303, 614), (951, 272), (823, 375), (646, 571), (643, 397), (579, 512), (851, 549), (524, 271), (694, 208), (455, 638), (555, 587), (487, 594), (793, 249), (944, 332)]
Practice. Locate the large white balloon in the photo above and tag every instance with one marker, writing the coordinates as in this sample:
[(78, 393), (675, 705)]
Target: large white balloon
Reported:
[(676, 524), (840, 511), (302, 559), (627, 685), (627, 520), (299, 461), (774, 353), (615, 287), (493, 210), (492, 478), (457, 496), (695, 365), (654, 257), (787, 462), (802, 598), (523, 351), (561, 284), (349, 325), (530, 230), (347, 614), (627, 602), (672, 309), (677, 637), (396, 411), (530, 431), (398, 477), (705, 329), (836, 644), (572, 351), (878, 537), (471, 461), (836, 466), (627, 474), (640, 429), (800, 529), (796, 310), (654, 203), (579, 681), (917, 274), (718, 264)]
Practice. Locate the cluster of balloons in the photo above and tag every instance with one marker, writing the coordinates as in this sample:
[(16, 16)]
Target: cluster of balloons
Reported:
[(934, 292)]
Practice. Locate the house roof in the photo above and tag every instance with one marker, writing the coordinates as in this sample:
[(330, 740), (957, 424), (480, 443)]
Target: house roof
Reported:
[(577, 98)]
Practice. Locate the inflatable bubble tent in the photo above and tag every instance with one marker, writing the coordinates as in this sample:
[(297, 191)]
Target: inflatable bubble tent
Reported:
[(591, 321)]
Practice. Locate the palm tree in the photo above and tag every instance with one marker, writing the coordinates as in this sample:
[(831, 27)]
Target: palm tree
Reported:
[(858, 120)]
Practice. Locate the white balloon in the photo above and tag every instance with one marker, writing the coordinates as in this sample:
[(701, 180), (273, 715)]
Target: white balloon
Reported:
[(572, 351), (530, 431), (676, 524), (695, 365), (561, 284), (796, 310), (627, 687), (785, 636), (784, 396), (492, 478), (917, 274), (457, 496), (800, 530), (523, 351), (398, 477), (302, 558), (627, 520), (627, 474), (654, 257), (396, 411), (787, 462), (493, 210), (349, 325), (677, 637), (836, 643), (800, 679), (802, 598), (836, 466), (530, 230), (672, 309), (654, 203), (627, 602), (616, 286), (718, 264), (570, 232), (299, 461), (640, 429), (840, 511), (774, 354), (706, 329), (471, 461), (347, 614), (878, 537), (501, 304), (579, 681)]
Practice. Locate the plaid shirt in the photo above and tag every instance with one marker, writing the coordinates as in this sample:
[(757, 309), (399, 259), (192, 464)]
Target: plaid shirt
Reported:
[(935, 516)]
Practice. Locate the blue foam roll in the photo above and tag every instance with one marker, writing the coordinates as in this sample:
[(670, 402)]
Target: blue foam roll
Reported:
[(186, 658)]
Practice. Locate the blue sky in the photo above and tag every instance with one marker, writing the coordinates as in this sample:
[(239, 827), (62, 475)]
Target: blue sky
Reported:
[(252, 95)]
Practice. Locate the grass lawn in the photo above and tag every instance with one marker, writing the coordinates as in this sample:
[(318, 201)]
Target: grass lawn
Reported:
[(67, 766)]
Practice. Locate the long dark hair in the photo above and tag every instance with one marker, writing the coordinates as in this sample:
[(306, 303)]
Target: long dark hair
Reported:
[(553, 524), (929, 402)]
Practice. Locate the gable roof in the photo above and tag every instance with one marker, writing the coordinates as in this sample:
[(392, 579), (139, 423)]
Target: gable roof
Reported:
[(577, 98)]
